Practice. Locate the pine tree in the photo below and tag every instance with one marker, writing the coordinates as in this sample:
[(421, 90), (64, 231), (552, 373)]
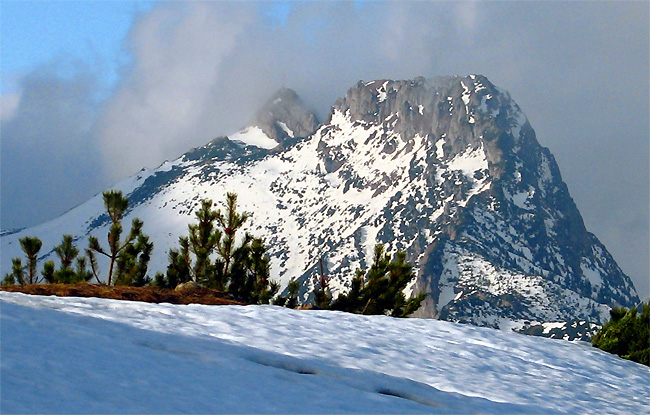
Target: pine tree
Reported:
[(66, 274), (83, 274), (178, 270), (17, 274), (121, 267), (352, 301), (293, 287), (67, 253), (230, 222), (133, 261), (291, 301), (380, 289), (31, 246), (626, 334), (264, 288), (203, 241), (249, 276), (48, 272), (193, 260), (210, 255)]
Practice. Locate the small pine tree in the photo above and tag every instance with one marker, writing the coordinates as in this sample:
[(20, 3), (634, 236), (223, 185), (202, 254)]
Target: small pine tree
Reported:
[(380, 289), (210, 256), (293, 287), (627, 334), (83, 274), (291, 301), (193, 260), (178, 270), (48, 272), (249, 274), (124, 263), (17, 274), (352, 301), (67, 253), (8, 280), (202, 242), (133, 262), (31, 246), (230, 221)]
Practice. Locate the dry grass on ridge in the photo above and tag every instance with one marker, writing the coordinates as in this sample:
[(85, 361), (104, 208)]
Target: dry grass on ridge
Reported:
[(145, 294)]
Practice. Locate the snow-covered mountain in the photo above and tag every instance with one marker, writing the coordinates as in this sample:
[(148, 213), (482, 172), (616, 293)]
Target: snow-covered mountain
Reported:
[(90, 355), (448, 169)]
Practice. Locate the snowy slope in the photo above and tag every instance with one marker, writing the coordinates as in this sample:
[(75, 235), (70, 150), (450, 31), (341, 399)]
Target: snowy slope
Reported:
[(72, 355), (448, 169)]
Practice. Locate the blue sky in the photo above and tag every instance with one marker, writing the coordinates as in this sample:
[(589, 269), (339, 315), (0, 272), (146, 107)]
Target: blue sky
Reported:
[(92, 32), (93, 91)]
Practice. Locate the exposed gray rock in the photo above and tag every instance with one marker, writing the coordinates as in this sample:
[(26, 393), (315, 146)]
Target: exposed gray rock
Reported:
[(285, 118)]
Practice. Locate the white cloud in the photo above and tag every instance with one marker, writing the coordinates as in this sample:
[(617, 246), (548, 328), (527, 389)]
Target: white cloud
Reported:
[(49, 154), (8, 106), (156, 113)]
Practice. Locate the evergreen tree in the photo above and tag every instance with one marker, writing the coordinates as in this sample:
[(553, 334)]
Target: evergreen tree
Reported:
[(260, 270), (380, 289), (48, 272), (626, 334), (17, 274), (230, 222), (351, 302), (291, 301), (202, 242), (249, 276), (178, 270), (193, 260), (67, 253), (128, 258), (210, 255), (83, 274), (31, 246), (293, 287), (133, 262)]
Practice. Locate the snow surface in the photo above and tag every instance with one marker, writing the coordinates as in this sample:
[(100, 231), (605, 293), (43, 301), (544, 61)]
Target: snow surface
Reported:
[(382, 93), (254, 136), (594, 277), (89, 355), (285, 128), (469, 162)]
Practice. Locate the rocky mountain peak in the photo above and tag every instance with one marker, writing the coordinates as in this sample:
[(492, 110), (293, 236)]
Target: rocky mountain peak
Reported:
[(466, 110), (284, 117), (447, 169)]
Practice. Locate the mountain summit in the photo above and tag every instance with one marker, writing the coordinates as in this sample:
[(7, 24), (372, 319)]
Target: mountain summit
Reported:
[(284, 116), (447, 169), (281, 121)]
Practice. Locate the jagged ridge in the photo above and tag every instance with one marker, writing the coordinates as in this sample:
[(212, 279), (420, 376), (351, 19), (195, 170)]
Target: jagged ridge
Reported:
[(448, 169)]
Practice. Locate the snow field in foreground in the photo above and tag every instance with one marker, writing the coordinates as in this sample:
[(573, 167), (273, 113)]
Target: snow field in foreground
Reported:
[(74, 355)]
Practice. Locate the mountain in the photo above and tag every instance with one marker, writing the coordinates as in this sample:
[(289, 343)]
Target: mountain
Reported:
[(447, 169)]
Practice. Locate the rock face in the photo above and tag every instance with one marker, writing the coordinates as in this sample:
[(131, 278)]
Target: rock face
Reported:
[(447, 169), (284, 117)]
